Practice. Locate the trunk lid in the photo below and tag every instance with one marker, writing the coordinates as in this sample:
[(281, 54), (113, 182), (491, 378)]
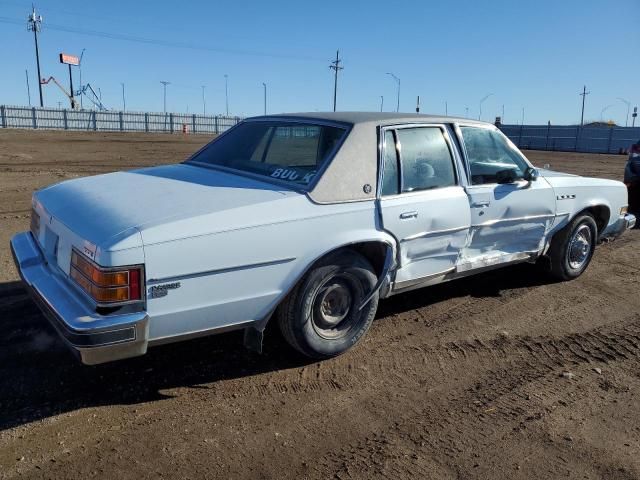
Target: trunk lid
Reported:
[(111, 212)]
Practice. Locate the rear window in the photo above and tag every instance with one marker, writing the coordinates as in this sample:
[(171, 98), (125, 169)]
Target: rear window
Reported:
[(286, 151)]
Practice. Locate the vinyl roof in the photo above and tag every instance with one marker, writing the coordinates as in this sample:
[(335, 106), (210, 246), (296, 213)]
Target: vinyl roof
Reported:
[(378, 118)]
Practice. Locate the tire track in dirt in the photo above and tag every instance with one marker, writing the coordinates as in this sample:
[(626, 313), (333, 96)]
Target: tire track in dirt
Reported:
[(495, 400)]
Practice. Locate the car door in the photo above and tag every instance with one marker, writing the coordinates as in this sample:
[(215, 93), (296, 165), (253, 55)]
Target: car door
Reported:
[(509, 221), (422, 202)]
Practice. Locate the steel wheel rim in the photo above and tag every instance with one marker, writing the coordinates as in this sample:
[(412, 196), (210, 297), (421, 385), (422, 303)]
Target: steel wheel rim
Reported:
[(333, 311), (580, 247)]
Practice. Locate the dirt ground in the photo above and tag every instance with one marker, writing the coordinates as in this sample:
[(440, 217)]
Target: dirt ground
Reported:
[(502, 376)]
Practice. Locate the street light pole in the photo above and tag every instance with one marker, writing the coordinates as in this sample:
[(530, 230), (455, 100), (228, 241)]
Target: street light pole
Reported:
[(164, 85), (398, 90), (381, 102), (602, 112), (481, 102), (80, 70), (628, 104), (264, 86), (226, 91), (204, 102), (124, 102)]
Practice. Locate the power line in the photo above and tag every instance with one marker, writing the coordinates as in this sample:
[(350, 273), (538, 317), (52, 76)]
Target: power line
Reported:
[(335, 66), (164, 43)]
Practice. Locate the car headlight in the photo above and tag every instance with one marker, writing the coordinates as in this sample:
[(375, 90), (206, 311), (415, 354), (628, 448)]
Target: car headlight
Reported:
[(110, 286)]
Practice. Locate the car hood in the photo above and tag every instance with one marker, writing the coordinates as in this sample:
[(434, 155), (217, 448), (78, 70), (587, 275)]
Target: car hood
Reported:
[(552, 173), (105, 209)]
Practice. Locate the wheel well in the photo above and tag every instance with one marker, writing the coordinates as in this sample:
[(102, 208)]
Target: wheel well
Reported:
[(375, 252), (601, 214)]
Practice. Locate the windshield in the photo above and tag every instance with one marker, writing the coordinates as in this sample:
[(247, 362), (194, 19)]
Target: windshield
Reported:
[(286, 151)]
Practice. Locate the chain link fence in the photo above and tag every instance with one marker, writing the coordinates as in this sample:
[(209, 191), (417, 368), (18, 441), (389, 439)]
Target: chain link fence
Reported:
[(572, 139), (110, 121)]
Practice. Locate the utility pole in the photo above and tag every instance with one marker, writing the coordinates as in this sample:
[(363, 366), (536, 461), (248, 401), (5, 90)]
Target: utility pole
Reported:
[(418, 104), (466, 112), (446, 109), (335, 66), (34, 24), (397, 92), (265, 97), (502, 118), (583, 95), (204, 102), (522, 116), (26, 74), (628, 104), (164, 85), (124, 102), (381, 102)]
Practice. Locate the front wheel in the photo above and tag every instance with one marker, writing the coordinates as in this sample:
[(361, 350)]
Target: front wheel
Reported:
[(572, 248), (320, 317)]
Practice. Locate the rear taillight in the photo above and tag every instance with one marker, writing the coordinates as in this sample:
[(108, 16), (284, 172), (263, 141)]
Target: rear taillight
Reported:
[(107, 285), (35, 223)]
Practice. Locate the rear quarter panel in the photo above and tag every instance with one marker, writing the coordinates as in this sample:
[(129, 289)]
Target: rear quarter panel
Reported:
[(238, 276)]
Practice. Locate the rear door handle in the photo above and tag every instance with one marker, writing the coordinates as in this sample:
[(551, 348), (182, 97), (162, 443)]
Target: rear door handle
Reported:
[(481, 203), (407, 215)]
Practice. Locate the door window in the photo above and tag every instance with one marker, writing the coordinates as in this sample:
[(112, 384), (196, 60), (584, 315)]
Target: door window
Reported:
[(489, 152), (390, 184), (426, 160)]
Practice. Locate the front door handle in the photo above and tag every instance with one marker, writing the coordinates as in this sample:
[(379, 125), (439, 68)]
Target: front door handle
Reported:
[(407, 215), (481, 203)]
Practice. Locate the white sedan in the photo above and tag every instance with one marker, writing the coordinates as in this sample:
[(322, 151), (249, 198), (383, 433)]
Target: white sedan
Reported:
[(308, 219)]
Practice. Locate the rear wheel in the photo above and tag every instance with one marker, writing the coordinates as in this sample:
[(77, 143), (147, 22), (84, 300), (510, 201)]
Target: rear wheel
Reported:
[(572, 248), (320, 317)]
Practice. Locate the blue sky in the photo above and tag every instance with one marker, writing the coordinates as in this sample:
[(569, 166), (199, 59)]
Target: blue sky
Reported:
[(532, 54)]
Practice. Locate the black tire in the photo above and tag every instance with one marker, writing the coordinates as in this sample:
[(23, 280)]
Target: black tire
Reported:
[(320, 317), (572, 247)]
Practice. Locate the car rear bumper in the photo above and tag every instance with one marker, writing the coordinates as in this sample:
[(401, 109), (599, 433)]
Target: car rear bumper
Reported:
[(92, 337)]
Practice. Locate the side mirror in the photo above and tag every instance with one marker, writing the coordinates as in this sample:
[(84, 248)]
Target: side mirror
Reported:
[(507, 175), (531, 174)]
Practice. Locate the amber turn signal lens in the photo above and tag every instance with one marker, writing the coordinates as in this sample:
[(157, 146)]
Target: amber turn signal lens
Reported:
[(106, 286), (624, 210), (108, 295)]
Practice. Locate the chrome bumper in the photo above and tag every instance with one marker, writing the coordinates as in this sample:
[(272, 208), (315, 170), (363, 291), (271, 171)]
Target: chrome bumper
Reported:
[(92, 337), (624, 223)]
